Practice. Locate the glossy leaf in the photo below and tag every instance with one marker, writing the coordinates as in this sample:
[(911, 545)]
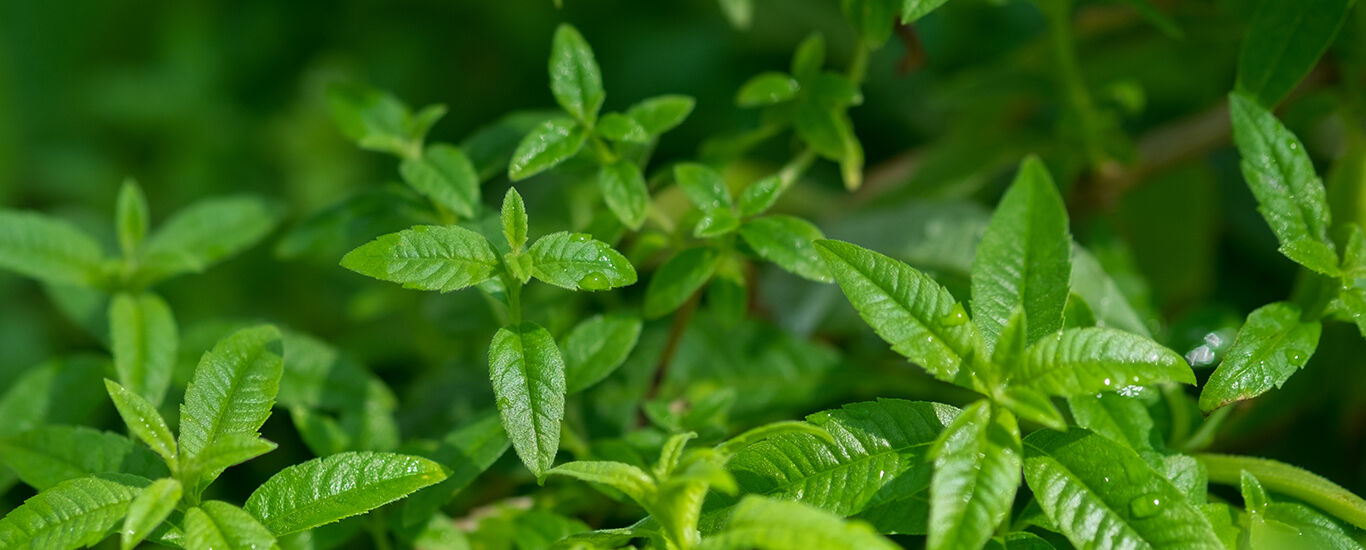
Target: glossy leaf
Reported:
[(1024, 258), (324, 490), (545, 146), (1090, 360), (1289, 193), (1271, 346), (596, 347), (47, 249), (217, 525), (528, 380), (426, 257), (624, 191), (148, 510), (619, 127), (630, 480), (143, 421), (131, 219), (48, 455), (976, 474), (661, 113), (225, 452), (232, 391), (577, 261), (74, 513), (771, 524), (912, 312), (912, 10), (446, 176), (513, 216), (787, 241), (703, 185), (144, 338), (676, 281), (1284, 40), (767, 89), (205, 233), (575, 79), (1101, 494), (1122, 419)]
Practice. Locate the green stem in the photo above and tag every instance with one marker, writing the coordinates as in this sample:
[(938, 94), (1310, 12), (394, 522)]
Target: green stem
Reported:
[(1290, 481), (858, 64), (514, 292), (1204, 435)]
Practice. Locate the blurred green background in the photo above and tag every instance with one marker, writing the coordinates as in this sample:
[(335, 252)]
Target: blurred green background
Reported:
[(200, 98)]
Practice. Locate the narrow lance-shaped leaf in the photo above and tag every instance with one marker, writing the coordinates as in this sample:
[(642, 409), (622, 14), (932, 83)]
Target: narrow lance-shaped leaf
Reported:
[(976, 474), (1289, 193), (528, 379), (577, 261), (130, 217), (148, 510), (48, 455), (324, 490), (676, 281), (217, 525), (630, 480), (233, 389), (661, 113), (1090, 360), (575, 79), (143, 421), (144, 338), (1271, 346), (596, 347), (1024, 258), (1283, 42), (47, 249), (205, 233), (545, 146), (446, 176), (75, 513), (226, 451), (787, 241), (426, 257), (1101, 494), (912, 312)]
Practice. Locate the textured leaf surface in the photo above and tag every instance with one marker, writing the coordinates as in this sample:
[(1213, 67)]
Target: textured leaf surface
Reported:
[(703, 185), (1271, 346), (513, 217), (596, 347), (324, 490), (678, 279), (787, 241), (47, 249), (976, 474), (148, 510), (217, 525), (1122, 419), (912, 312), (144, 338), (1090, 360), (74, 513), (772, 524), (446, 176), (49, 455), (143, 420), (1289, 193), (233, 389), (577, 261), (207, 232), (1101, 494), (624, 191), (630, 480), (426, 257), (528, 379), (575, 79), (467, 452), (545, 146), (1283, 42), (1024, 258)]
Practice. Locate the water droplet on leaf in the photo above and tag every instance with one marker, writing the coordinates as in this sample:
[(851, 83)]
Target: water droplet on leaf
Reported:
[(1145, 506), (594, 281)]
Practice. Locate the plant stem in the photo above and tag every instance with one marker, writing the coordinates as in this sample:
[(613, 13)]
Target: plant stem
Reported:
[(680, 324), (858, 64), (1058, 13), (1288, 480), (514, 292), (1204, 435)]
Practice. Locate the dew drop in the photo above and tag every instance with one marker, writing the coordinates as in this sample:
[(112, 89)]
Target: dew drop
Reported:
[(1145, 506), (1107, 382), (579, 237), (594, 281), (956, 317)]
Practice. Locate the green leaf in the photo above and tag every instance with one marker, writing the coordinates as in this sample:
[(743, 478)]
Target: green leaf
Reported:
[(144, 338), (217, 525), (786, 241), (913, 10), (1024, 258), (324, 490), (624, 191), (1101, 494), (872, 19), (1091, 360), (916, 315), (577, 261), (426, 257), (1273, 344), (630, 480), (596, 347), (1289, 480), (130, 217), (976, 474), (74, 513), (528, 380), (232, 390), (225, 452), (60, 391), (513, 216), (1283, 42), (1109, 305), (467, 452), (875, 466), (1122, 419), (575, 79), (770, 524), (48, 249), (704, 186), (446, 176), (1033, 406), (48, 455), (661, 113), (716, 222), (378, 121), (148, 510), (767, 89), (204, 233), (1291, 526), (676, 281), (1289, 193), (545, 146), (619, 127), (809, 57), (143, 420)]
